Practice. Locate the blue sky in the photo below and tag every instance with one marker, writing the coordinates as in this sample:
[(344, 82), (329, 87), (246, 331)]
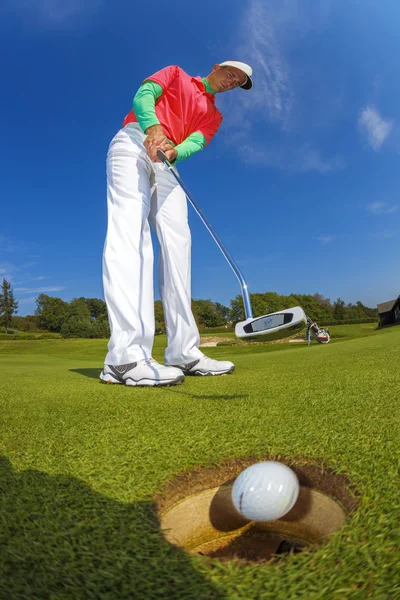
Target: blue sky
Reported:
[(301, 181)]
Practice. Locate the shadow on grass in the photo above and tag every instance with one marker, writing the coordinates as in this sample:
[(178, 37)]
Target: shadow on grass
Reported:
[(92, 373), (205, 396), (59, 538)]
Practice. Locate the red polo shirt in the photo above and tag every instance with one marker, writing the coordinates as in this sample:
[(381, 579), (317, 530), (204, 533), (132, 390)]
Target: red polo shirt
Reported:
[(184, 106)]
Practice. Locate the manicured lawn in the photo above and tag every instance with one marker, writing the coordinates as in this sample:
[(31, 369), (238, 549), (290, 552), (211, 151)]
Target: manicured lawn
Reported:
[(80, 463)]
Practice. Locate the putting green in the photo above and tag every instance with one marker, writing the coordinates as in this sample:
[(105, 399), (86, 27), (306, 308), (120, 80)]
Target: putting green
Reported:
[(80, 463)]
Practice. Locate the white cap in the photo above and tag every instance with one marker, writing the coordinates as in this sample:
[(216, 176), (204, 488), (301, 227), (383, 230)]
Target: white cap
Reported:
[(247, 70)]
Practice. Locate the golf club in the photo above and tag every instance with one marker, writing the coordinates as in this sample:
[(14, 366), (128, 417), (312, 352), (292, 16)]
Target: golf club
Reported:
[(269, 327)]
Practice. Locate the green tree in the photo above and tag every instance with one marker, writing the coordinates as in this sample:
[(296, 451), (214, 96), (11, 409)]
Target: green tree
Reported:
[(324, 302), (158, 328), (159, 317), (100, 328), (371, 313), (8, 304), (313, 305), (76, 327), (51, 312), (207, 314), (222, 311), (358, 312), (339, 310), (159, 312), (262, 304), (97, 309), (79, 308), (237, 309), (28, 323)]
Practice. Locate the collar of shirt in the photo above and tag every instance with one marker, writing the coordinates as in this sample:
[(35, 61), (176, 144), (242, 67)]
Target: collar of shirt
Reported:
[(205, 87)]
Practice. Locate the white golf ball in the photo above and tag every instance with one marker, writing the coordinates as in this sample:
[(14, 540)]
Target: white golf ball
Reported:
[(265, 491)]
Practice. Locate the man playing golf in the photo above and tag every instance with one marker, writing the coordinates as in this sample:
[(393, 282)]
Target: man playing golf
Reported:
[(176, 113)]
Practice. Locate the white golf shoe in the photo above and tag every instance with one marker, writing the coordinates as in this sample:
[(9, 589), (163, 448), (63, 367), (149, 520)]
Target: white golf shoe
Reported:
[(207, 366), (147, 372)]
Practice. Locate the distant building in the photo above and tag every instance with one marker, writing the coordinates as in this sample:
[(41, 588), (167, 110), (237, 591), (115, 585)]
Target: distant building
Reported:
[(389, 313)]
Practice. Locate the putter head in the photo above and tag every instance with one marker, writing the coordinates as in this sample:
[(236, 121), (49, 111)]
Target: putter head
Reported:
[(274, 326)]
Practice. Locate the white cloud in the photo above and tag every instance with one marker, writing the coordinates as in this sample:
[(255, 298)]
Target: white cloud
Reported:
[(7, 245), (384, 235), (251, 260), (18, 246), (273, 91), (374, 128), (38, 278), (381, 208), (7, 270), (11, 270), (24, 290), (325, 239), (27, 300), (291, 158), (52, 12), (257, 44), (265, 36)]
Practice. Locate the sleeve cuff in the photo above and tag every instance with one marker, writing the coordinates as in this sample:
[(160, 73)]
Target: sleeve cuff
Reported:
[(145, 123)]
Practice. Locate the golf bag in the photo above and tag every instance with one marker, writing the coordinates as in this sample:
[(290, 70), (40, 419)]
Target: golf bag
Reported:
[(320, 335)]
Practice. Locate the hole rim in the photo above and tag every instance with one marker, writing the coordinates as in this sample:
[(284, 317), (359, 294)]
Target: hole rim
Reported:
[(313, 475)]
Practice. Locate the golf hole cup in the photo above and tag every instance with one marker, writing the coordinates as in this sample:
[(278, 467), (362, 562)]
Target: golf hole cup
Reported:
[(265, 491)]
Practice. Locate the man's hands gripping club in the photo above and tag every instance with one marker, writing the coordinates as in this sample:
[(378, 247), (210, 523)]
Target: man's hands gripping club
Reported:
[(156, 140)]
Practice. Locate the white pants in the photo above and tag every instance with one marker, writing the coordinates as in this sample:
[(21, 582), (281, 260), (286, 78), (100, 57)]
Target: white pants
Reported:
[(139, 191)]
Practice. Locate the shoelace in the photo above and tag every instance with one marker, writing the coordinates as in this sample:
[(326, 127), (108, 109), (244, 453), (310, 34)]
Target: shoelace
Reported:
[(149, 361)]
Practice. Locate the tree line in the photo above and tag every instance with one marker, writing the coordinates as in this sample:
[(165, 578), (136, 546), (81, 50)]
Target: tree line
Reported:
[(316, 306), (87, 317)]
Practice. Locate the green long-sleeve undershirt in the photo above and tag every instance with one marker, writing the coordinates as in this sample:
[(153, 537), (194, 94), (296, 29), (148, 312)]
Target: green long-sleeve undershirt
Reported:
[(144, 107)]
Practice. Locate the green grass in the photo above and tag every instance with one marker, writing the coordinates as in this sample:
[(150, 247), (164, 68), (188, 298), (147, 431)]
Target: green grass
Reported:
[(28, 335), (80, 463), (354, 331)]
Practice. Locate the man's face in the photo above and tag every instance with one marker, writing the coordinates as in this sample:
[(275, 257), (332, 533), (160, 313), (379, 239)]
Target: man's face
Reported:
[(223, 79)]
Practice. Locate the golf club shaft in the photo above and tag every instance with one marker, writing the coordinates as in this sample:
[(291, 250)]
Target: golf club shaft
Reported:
[(243, 285)]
